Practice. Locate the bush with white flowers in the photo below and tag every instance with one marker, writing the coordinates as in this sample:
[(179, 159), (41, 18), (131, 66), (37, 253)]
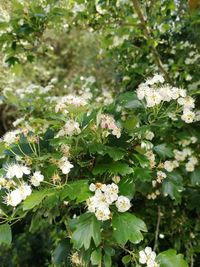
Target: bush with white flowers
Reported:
[(100, 141)]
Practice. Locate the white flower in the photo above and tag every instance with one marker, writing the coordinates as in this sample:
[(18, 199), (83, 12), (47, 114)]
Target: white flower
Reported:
[(168, 166), (11, 137), (65, 165), (36, 178), (17, 122), (193, 160), (193, 139), (160, 176), (97, 186), (149, 135), (70, 128), (25, 190), (188, 116), (92, 203), (123, 204), (151, 157), (102, 213), (187, 151), (16, 170), (116, 179), (179, 155), (189, 166), (111, 192), (147, 256), (165, 92), (117, 132), (108, 122), (13, 198), (103, 199), (187, 102), (157, 78), (182, 92), (175, 93), (153, 99)]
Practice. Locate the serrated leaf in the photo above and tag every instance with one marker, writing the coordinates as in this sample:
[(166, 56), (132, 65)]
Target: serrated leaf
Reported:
[(36, 198), (87, 229), (114, 168), (172, 189), (169, 258), (78, 190), (114, 152), (5, 234), (127, 187), (163, 150), (127, 226)]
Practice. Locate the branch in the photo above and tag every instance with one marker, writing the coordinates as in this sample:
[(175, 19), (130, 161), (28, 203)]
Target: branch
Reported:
[(148, 35), (157, 230)]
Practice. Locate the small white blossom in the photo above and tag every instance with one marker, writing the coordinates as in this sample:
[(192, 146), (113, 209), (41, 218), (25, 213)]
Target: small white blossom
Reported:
[(25, 190), (16, 170), (123, 204), (11, 137), (65, 165), (148, 257), (13, 198), (149, 135), (188, 116), (102, 214), (36, 178)]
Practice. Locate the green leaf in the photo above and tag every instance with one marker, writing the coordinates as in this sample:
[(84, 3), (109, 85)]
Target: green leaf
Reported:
[(96, 257), (129, 100), (164, 151), (61, 252), (87, 228), (169, 258), (172, 189), (107, 260), (126, 259), (36, 198), (127, 226), (127, 187), (130, 124), (78, 190), (195, 177), (143, 174), (114, 152), (114, 168), (5, 234)]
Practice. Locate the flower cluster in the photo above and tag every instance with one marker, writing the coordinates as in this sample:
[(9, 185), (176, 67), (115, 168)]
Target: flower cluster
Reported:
[(108, 123), (151, 157), (28, 91), (13, 182), (154, 94), (11, 137), (180, 156), (70, 128), (106, 195), (148, 257), (64, 102), (65, 165), (160, 177)]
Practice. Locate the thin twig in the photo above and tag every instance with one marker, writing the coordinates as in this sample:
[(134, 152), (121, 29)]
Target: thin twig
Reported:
[(157, 230), (148, 35)]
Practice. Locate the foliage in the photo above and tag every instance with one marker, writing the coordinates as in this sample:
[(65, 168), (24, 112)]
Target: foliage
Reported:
[(99, 155)]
